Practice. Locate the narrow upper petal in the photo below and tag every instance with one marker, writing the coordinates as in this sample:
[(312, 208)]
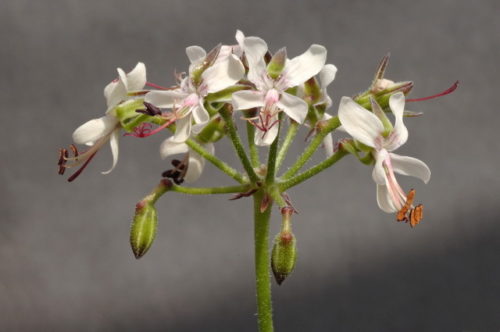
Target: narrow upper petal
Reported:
[(94, 129), (399, 134), (327, 75), (183, 129), (196, 163), (136, 78), (113, 142), (384, 200), (328, 145), (247, 99), (223, 74), (410, 166), (360, 123), (165, 99), (255, 48), (303, 67), (114, 93), (196, 54), (169, 147), (294, 107)]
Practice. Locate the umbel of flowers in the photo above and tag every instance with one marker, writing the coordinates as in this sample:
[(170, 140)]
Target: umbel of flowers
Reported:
[(274, 95)]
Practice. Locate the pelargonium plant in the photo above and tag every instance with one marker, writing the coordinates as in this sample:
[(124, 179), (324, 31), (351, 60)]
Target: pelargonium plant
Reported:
[(274, 96)]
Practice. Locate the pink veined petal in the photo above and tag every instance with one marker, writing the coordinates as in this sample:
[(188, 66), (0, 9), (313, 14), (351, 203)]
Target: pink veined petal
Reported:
[(136, 78), (294, 107), (360, 123), (165, 99), (169, 147), (196, 163), (183, 129), (223, 74), (247, 99), (399, 134), (92, 130), (378, 174), (200, 114), (267, 138), (255, 49), (196, 54), (410, 166), (384, 199), (327, 75), (303, 67), (113, 142)]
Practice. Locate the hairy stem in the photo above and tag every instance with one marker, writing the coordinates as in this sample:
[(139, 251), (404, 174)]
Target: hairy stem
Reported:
[(209, 191), (254, 152), (290, 135)]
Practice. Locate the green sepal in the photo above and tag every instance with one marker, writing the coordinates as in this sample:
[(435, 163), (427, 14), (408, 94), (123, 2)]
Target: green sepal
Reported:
[(312, 91), (225, 95), (143, 229), (277, 64), (212, 132)]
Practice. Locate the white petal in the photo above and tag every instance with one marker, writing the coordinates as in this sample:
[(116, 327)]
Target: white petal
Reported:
[(293, 106), (360, 123), (255, 49), (240, 38), (327, 75), (303, 67), (200, 114), (169, 147), (183, 129), (399, 135), (267, 138), (384, 199), (410, 166), (114, 93), (122, 77), (165, 99), (196, 54), (136, 78), (247, 99), (328, 145), (196, 163), (113, 142), (378, 173), (223, 74), (94, 129)]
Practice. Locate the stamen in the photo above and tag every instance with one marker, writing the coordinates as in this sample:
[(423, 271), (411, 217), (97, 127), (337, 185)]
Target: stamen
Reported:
[(444, 93), (178, 173), (416, 215), (142, 130), (74, 150), (150, 109), (63, 154), (401, 216), (80, 170), (156, 86)]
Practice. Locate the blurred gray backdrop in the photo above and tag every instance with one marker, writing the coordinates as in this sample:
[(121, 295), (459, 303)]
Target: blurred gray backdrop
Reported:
[(65, 261)]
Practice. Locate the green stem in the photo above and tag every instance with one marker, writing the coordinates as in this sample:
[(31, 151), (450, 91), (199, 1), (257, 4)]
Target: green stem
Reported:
[(215, 161), (290, 135), (254, 152), (331, 124), (226, 114), (208, 191), (313, 170), (164, 186), (271, 159), (262, 265)]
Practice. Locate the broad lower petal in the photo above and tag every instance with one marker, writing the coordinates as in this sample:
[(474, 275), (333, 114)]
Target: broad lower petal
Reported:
[(410, 166), (303, 67), (94, 129), (196, 163), (328, 145), (169, 147), (200, 114), (196, 54), (294, 107), (384, 200), (165, 99), (113, 142), (267, 138), (360, 123), (136, 78), (223, 74), (183, 129), (246, 99), (399, 135), (327, 75), (378, 174)]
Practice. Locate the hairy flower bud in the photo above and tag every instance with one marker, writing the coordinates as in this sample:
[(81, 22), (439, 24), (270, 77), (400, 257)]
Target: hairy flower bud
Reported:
[(283, 256), (143, 230)]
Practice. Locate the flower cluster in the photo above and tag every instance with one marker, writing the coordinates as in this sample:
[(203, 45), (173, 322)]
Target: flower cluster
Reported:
[(268, 91)]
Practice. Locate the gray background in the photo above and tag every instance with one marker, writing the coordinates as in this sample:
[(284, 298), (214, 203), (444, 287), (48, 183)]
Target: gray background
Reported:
[(65, 261)]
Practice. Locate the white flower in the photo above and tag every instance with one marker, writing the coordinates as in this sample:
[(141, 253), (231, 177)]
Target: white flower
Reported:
[(191, 167), (270, 93), (97, 132), (368, 129), (187, 100)]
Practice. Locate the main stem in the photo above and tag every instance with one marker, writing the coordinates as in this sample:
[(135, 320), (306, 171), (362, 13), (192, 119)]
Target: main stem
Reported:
[(262, 264)]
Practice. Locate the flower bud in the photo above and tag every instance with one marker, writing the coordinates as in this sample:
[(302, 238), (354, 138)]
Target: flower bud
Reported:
[(143, 230), (277, 63), (283, 256)]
